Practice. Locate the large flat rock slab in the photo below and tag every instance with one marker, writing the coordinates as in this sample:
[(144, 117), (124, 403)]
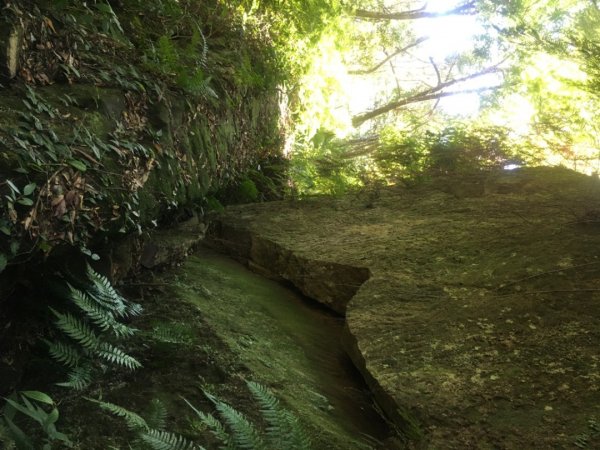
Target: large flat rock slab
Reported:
[(472, 305)]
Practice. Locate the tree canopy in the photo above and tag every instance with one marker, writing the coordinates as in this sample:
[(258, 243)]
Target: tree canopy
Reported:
[(389, 68)]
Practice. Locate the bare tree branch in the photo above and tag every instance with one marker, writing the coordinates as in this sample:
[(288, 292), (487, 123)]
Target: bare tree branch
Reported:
[(467, 7), (393, 55), (433, 93), (437, 71)]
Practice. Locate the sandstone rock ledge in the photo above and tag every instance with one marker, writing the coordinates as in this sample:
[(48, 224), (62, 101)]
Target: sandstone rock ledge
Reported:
[(472, 307)]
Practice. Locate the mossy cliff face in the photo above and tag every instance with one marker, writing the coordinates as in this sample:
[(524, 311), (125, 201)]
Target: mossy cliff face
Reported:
[(110, 125)]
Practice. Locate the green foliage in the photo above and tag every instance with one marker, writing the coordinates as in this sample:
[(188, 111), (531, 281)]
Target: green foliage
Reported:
[(243, 433), (283, 429), (102, 291), (90, 331), (79, 377), (64, 353), (247, 191), (163, 440), (133, 420), (213, 204), (77, 330), (156, 417), (150, 433), (320, 166), (186, 63), (171, 333), (40, 408), (118, 169), (454, 150), (589, 438)]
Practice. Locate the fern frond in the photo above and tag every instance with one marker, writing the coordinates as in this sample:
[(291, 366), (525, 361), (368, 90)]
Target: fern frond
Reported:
[(77, 330), (213, 424), (283, 428), (105, 294), (157, 415), (98, 314), (79, 378), (167, 53), (133, 420), (204, 53), (64, 353), (117, 356), (163, 440), (244, 433), (198, 84), (169, 336), (269, 407), (133, 309), (293, 435)]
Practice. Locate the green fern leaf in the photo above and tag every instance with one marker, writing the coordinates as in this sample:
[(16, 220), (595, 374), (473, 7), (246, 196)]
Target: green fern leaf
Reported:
[(213, 424), (193, 46), (283, 428), (64, 353), (117, 356), (77, 330), (163, 440), (169, 335), (133, 309), (105, 294), (167, 54), (79, 378), (294, 436), (157, 415), (244, 433), (269, 406), (99, 315), (197, 84), (133, 420)]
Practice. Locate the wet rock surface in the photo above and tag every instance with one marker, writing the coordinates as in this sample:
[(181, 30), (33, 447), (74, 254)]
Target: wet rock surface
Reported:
[(480, 322)]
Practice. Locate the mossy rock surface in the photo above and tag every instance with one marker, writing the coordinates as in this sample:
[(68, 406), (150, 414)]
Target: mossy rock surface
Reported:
[(479, 325)]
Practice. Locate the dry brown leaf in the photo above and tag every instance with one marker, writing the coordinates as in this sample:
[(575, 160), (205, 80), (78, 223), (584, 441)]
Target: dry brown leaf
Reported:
[(73, 199), (57, 199), (60, 208), (12, 214)]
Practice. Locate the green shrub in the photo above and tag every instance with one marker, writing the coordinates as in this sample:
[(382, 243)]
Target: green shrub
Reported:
[(38, 407), (94, 330)]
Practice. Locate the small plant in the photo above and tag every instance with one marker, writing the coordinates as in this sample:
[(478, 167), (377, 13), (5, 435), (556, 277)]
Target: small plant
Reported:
[(94, 331), (589, 438), (150, 431), (35, 406), (171, 333), (283, 429), (186, 62)]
